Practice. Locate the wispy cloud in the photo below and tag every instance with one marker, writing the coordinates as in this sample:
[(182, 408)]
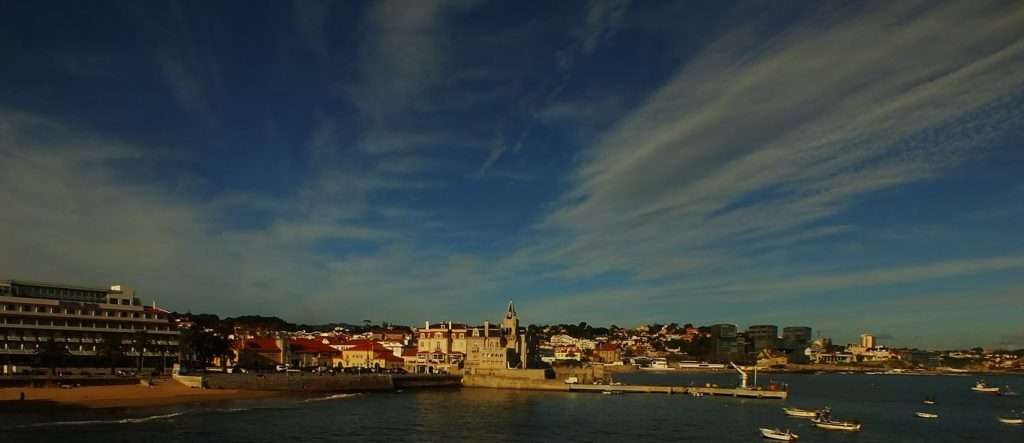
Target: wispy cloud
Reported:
[(83, 223), (185, 87), (756, 138)]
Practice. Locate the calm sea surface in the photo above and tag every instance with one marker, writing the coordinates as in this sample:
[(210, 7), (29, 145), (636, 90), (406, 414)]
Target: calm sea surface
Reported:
[(884, 403)]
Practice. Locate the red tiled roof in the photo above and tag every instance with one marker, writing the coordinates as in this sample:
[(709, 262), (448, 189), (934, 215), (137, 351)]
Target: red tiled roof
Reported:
[(388, 356), (307, 345), (261, 344), (362, 345)]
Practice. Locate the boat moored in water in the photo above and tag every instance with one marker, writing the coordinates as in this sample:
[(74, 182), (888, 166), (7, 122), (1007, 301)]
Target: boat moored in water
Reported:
[(801, 413), (778, 435), (837, 425), (824, 421), (981, 386), (926, 415), (1011, 420)]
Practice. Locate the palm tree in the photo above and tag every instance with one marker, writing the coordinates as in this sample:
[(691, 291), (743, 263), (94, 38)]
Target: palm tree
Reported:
[(53, 354), (221, 347), (112, 349), (186, 347), (141, 342)]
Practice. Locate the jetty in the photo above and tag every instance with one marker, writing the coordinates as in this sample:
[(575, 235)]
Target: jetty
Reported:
[(505, 382), (691, 390)]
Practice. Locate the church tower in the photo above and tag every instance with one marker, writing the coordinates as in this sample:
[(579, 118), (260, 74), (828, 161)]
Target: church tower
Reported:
[(510, 323)]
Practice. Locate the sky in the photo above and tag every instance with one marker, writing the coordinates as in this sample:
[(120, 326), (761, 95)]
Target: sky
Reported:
[(850, 166)]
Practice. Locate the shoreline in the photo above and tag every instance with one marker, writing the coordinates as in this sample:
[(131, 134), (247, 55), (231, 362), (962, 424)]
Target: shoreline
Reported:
[(167, 393)]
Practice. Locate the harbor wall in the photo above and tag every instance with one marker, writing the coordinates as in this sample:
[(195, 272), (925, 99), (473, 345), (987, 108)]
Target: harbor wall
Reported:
[(531, 374), (426, 381), (586, 374), (307, 382), (495, 382), (192, 381), (301, 382)]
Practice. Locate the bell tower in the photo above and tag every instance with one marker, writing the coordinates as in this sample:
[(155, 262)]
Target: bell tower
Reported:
[(510, 323)]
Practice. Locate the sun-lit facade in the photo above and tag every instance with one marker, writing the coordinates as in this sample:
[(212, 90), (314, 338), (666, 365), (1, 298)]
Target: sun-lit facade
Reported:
[(81, 318)]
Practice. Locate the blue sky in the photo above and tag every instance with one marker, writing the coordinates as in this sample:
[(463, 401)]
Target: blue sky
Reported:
[(851, 167)]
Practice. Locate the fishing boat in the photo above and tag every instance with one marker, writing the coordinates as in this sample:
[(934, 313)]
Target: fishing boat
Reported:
[(926, 415), (801, 413), (1012, 420), (824, 421), (778, 434), (836, 425), (980, 386)]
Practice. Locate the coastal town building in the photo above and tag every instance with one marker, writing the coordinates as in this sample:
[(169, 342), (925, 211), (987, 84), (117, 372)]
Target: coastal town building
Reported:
[(261, 352), (369, 354), (763, 337), (81, 319), (867, 341), (449, 347), (441, 347), (796, 336), (608, 353), (312, 353)]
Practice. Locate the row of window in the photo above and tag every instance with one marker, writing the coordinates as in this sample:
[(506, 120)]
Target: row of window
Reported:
[(40, 292), (72, 348), (95, 313), (81, 324)]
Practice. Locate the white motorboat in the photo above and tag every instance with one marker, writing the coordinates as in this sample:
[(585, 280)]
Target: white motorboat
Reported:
[(929, 401), (801, 413), (837, 425), (980, 386), (926, 415), (1011, 420), (778, 434), (825, 421)]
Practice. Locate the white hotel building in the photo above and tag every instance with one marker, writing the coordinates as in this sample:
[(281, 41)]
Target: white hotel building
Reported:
[(32, 313)]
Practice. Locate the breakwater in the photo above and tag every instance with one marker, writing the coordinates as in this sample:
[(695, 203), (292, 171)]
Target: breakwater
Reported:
[(523, 383), (305, 382)]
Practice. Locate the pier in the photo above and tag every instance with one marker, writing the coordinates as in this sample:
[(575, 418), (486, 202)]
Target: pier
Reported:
[(497, 382), (654, 389)]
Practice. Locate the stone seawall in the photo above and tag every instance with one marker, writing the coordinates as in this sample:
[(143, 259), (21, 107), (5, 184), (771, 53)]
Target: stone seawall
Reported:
[(426, 381), (308, 382), (300, 382), (487, 381)]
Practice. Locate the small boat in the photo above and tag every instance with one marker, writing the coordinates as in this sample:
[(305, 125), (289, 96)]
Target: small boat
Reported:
[(802, 413), (778, 434), (929, 401), (609, 392), (926, 415), (824, 421), (980, 386), (837, 425), (1012, 420)]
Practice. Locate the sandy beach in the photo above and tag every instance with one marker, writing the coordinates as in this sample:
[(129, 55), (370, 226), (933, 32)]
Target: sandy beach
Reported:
[(167, 392)]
